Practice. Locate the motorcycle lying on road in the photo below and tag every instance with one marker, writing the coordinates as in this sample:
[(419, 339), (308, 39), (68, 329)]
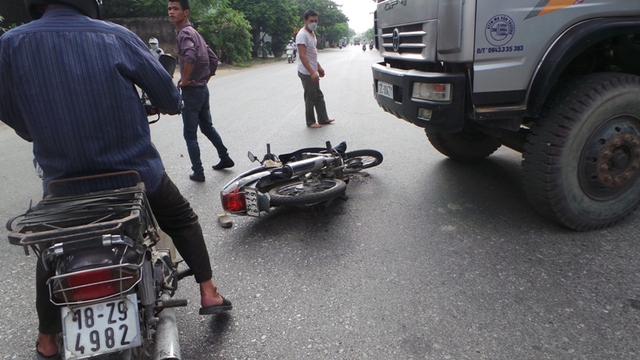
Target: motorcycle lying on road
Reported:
[(306, 177)]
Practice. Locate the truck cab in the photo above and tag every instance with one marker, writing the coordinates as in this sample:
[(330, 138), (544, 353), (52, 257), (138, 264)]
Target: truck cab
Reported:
[(538, 76)]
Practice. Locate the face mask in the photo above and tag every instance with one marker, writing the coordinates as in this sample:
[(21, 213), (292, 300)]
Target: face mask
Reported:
[(312, 26)]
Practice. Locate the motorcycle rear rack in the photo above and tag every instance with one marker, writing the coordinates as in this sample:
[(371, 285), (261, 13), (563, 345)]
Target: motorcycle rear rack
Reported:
[(90, 216)]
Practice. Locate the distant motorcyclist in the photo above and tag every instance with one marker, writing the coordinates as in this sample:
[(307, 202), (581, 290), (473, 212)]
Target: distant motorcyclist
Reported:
[(154, 48), (295, 48), (289, 48)]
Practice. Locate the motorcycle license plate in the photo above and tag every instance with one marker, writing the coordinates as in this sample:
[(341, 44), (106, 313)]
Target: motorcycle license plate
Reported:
[(251, 199), (385, 89), (101, 328)]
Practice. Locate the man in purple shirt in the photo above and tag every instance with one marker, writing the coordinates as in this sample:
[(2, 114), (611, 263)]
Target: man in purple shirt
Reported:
[(67, 84), (197, 64)]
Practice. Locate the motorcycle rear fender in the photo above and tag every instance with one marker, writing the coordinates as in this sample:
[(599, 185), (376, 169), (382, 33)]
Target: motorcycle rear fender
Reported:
[(250, 178)]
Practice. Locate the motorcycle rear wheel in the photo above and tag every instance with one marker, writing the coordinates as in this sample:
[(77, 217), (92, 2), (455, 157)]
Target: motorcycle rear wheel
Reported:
[(361, 159), (307, 193)]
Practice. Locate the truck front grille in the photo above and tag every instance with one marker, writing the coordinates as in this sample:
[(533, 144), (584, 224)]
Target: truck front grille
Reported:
[(410, 39)]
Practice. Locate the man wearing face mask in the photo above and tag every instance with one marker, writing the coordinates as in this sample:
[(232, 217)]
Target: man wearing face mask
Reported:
[(310, 71)]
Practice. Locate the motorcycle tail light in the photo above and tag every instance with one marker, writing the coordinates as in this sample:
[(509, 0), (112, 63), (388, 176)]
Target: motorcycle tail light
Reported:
[(92, 285), (234, 201)]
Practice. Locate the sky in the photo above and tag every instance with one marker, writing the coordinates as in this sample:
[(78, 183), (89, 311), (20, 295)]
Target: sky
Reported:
[(359, 12)]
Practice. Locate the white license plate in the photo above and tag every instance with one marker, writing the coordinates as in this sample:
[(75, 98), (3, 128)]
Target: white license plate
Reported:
[(101, 328), (251, 199), (385, 89)]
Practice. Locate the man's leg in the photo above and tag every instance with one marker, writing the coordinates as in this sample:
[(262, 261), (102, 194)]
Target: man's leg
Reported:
[(309, 98), (321, 108), (206, 126), (192, 104), (49, 321), (176, 217)]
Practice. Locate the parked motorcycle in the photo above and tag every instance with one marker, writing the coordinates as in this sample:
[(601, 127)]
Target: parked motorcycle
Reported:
[(305, 177), (114, 286), (114, 278)]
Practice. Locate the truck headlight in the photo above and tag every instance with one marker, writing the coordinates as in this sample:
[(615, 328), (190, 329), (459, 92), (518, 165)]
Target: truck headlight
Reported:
[(433, 92)]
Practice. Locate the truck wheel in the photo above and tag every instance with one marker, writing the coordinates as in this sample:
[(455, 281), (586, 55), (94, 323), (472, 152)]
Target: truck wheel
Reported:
[(582, 157), (467, 145)]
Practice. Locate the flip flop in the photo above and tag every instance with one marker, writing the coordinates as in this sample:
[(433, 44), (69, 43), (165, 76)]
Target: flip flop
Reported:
[(217, 309)]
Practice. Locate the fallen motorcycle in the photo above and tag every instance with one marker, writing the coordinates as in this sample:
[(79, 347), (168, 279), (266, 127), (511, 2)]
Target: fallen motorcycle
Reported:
[(306, 177), (113, 284)]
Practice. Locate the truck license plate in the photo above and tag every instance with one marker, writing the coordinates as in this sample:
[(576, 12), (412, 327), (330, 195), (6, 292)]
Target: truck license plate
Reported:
[(385, 89), (251, 199), (101, 328)]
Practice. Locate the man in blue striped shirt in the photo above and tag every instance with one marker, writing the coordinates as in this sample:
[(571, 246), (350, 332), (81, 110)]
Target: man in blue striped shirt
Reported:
[(67, 84)]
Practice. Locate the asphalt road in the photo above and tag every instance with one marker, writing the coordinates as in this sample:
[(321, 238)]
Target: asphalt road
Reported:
[(428, 259)]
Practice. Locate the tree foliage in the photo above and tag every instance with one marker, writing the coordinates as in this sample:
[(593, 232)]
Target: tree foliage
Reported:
[(228, 32), (153, 8), (274, 17)]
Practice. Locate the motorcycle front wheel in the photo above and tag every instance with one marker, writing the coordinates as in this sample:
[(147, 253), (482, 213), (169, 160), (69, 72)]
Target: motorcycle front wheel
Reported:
[(361, 159), (307, 193)]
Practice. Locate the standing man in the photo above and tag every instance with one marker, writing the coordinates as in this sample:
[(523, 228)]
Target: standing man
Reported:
[(310, 71), (67, 85), (197, 64)]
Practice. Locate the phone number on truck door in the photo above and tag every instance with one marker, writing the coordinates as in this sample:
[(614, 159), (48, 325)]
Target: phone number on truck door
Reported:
[(500, 49)]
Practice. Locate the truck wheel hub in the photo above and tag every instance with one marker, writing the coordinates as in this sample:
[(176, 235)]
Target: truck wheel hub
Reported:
[(611, 158)]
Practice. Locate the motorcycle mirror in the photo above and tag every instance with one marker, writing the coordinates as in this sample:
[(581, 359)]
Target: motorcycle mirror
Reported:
[(252, 157)]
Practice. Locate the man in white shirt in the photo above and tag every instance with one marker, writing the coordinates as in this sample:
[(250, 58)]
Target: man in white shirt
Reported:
[(310, 71)]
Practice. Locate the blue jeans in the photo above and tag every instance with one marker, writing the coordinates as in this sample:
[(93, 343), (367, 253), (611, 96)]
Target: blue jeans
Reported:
[(197, 112)]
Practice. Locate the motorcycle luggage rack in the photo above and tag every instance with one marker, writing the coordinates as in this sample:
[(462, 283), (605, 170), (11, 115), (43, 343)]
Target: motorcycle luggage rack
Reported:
[(123, 211)]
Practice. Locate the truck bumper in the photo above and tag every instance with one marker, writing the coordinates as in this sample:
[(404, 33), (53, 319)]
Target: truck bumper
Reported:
[(443, 116)]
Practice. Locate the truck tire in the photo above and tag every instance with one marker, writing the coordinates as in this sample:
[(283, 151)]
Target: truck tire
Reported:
[(467, 145), (581, 160)]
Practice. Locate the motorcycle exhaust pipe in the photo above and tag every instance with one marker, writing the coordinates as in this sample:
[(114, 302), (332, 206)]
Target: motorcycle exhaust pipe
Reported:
[(304, 166), (167, 337)]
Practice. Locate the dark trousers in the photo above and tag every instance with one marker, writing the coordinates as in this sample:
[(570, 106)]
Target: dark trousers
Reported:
[(313, 99), (197, 113), (175, 217)]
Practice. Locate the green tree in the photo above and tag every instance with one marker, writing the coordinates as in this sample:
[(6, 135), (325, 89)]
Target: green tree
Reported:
[(369, 34), (229, 33), (154, 8), (276, 18)]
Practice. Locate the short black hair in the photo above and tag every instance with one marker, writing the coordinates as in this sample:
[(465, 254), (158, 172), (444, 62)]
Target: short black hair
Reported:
[(309, 13), (184, 4)]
